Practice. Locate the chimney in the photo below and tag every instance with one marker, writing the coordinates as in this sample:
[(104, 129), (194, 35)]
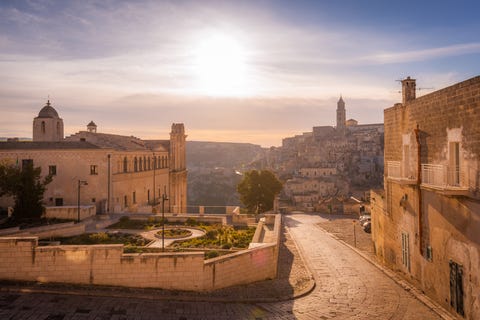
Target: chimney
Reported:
[(408, 90)]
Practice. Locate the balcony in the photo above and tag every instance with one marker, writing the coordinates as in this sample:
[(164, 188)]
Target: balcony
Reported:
[(447, 179), (396, 172)]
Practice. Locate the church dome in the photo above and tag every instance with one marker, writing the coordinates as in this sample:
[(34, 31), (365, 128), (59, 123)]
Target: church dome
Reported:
[(48, 111)]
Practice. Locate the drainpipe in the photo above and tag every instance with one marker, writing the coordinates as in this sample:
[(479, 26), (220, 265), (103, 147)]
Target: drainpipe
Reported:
[(419, 182)]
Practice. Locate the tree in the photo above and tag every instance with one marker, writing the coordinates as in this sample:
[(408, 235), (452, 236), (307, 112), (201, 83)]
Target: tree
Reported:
[(26, 186), (258, 190)]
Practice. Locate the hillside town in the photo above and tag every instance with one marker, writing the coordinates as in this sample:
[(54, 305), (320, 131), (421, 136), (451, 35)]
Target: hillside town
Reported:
[(327, 167)]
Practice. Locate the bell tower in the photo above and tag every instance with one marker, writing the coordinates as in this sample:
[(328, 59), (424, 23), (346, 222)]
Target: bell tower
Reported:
[(341, 115), (178, 169)]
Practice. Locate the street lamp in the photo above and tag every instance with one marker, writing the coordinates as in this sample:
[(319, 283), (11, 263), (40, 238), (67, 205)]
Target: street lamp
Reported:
[(154, 174), (164, 198), (80, 183)]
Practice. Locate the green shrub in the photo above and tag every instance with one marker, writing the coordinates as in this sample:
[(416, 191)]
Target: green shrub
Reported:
[(211, 254), (191, 222)]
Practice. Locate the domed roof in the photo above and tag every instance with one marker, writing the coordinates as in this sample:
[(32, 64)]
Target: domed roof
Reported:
[(48, 111)]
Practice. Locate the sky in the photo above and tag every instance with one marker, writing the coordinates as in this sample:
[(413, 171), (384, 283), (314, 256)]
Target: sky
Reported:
[(239, 71)]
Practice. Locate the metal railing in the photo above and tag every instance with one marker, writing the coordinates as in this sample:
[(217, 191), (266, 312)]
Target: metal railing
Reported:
[(444, 176), (198, 209), (396, 170)]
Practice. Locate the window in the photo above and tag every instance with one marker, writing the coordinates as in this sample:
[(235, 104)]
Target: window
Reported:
[(125, 164), (149, 163), (135, 164), (93, 199), (134, 198), (27, 163), (93, 169), (43, 127), (58, 129), (125, 201), (140, 164), (58, 202), (52, 170), (406, 162), (429, 253), (155, 163)]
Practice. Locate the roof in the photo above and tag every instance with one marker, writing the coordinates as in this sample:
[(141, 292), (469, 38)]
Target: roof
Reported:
[(119, 142), (91, 124), (48, 111), (42, 145), (158, 145)]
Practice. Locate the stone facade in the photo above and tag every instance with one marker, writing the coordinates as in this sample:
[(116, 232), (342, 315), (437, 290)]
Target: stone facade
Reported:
[(113, 172), (426, 221)]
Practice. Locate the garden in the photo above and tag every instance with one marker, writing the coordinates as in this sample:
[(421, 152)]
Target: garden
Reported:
[(218, 239)]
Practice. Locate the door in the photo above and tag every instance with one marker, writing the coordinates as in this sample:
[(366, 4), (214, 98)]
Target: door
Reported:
[(456, 287), (454, 170)]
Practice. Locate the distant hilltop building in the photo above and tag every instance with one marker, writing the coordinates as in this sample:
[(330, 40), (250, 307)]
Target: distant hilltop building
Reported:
[(326, 166), (123, 173), (426, 220)]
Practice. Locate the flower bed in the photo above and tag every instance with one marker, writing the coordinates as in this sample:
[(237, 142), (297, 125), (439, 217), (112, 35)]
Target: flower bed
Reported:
[(175, 233)]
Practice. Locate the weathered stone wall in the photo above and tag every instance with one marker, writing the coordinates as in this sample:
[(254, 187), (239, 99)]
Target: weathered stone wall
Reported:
[(437, 220), (457, 106), (22, 259), (70, 212), (67, 229)]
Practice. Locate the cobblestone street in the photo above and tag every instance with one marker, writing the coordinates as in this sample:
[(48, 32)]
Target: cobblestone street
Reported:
[(347, 287)]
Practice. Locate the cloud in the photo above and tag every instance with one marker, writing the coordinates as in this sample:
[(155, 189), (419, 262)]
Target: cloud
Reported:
[(423, 54)]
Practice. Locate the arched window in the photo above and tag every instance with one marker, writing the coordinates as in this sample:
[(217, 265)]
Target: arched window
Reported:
[(144, 163), (140, 164), (58, 129), (155, 163), (125, 165), (43, 126), (149, 164), (135, 164)]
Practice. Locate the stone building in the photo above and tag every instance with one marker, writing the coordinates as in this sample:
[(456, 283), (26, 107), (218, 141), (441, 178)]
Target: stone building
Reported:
[(115, 173), (426, 221)]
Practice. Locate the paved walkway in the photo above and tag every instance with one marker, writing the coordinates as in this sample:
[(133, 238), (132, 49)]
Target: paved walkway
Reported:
[(347, 287)]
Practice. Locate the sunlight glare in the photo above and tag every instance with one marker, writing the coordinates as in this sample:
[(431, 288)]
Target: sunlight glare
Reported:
[(220, 66)]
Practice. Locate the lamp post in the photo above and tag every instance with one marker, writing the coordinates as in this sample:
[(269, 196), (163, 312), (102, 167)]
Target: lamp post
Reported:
[(164, 198), (80, 183), (154, 174)]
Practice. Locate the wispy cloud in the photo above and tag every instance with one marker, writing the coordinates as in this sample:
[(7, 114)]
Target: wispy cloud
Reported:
[(423, 54)]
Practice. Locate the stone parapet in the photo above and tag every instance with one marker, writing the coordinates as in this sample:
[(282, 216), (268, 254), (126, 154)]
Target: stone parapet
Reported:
[(22, 259)]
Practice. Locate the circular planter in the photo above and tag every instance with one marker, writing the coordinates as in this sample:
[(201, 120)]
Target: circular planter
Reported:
[(175, 233)]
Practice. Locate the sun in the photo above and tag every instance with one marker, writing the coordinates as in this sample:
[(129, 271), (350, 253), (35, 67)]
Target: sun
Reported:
[(220, 66)]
